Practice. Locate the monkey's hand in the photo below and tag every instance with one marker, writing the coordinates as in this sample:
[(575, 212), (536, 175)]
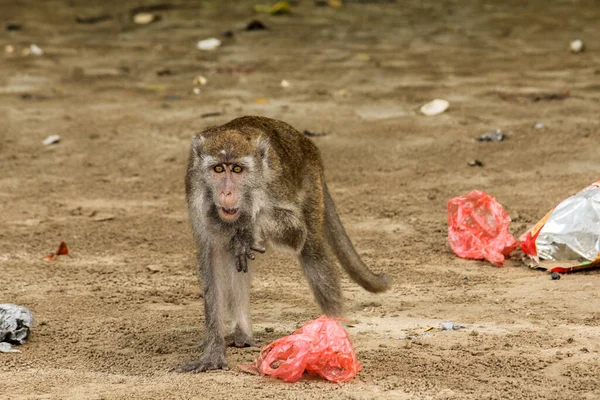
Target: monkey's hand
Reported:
[(243, 244)]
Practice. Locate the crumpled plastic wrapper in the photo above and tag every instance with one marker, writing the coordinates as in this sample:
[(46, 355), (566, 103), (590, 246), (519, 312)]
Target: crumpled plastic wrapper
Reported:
[(478, 228), (320, 347), (15, 322), (569, 232)]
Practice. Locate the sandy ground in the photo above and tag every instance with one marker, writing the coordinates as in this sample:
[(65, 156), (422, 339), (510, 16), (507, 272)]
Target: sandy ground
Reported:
[(116, 319)]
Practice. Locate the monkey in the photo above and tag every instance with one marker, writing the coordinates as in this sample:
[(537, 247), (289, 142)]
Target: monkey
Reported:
[(253, 182)]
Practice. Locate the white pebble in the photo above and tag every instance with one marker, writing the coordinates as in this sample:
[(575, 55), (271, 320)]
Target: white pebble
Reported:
[(209, 44), (284, 84), (576, 46), (200, 80), (35, 50), (435, 107), (143, 18), (52, 139)]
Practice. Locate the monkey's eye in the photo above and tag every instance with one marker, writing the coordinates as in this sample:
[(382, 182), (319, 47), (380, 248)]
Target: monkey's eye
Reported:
[(237, 169), (219, 168)]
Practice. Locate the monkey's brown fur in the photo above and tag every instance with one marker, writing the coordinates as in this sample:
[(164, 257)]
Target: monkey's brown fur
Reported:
[(280, 198)]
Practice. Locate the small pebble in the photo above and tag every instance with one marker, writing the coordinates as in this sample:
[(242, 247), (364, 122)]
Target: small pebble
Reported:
[(577, 46), (209, 44), (144, 18), (555, 276), (52, 139)]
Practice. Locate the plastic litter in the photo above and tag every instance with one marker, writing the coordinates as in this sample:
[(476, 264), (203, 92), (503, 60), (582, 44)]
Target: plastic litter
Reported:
[(320, 347), (493, 136), (7, 348), (450, 326), (15, 322), (570, 231), (478, 228)]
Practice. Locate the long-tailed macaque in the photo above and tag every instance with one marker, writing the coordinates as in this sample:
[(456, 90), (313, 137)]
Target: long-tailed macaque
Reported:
[(251, 182)]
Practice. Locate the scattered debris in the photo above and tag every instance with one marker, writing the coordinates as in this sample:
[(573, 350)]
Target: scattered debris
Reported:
[(33, 49), (164, 72), (172, 97), (493, 136), (145, 18), (313, 134), (255, 25), (450, 326), (435, 107), (101, 217), (13, 27), (577, 46), (533, 97), (62, 251), (211, 114), (7, 348), (334, 3), (93, 19), (363, 57), (538, 125), (196, 90), (466, 277), (261, 100), (15, 324), (475, 163), (9, 49), (52, 139), (281, 7), (154, 268), (228, 34), (200, 80), (284, 84), (209, 44), (555, 276)]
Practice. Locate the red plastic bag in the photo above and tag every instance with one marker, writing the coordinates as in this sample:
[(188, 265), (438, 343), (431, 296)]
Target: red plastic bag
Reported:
[(478, 228), (320, 347)]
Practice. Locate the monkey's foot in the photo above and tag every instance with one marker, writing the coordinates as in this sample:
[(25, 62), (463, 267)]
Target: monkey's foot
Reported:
[(205, 363), (240, 340)]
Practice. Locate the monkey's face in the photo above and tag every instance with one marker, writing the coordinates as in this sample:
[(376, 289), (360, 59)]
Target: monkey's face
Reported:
[(231, 168), (228, 181)]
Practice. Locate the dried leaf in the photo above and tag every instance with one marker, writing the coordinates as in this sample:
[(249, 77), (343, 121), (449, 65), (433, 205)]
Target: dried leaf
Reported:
[(62, 251)]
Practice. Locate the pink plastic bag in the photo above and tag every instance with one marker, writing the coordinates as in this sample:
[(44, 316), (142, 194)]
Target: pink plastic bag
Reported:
[(478, 228), (320, 347)]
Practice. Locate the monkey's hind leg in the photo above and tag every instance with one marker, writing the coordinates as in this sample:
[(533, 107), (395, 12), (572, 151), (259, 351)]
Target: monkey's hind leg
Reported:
[(211, 264), (320, 270), (239, 307)]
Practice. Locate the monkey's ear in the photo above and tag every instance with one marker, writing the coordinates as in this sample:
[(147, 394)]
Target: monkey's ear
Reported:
[(262, 144), (197, 144)]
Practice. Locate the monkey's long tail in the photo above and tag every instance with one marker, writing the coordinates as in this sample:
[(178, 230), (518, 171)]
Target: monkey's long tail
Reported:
[(347, 255)]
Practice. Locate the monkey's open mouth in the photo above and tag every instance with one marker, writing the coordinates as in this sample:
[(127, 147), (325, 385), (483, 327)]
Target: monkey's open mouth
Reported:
[(228, 214)]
